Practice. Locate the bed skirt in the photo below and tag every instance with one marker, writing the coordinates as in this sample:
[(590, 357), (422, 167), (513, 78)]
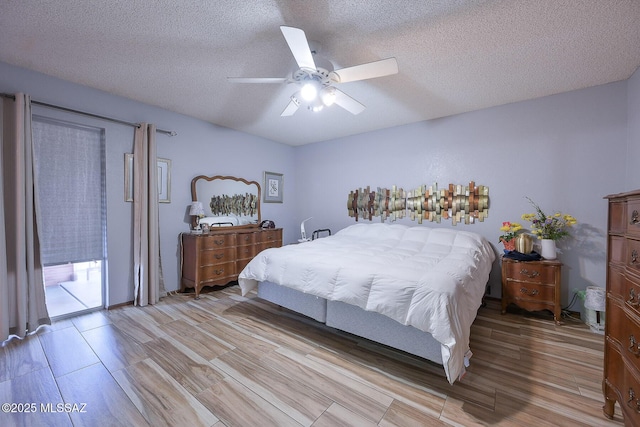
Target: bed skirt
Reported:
[(354, 320)]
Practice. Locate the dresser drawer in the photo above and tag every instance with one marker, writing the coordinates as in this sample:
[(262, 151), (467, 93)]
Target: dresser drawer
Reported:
[(246, 238), (617, 217), (215, 273), (244, 252), (617, 286), (633, 217), (218, 241), (266, 245), (270, 235), (531, 272), (217, 256), (616, 249), (624, 330), (630, 402), (621, 384), (631, 293), (633, 256), (241, 264)]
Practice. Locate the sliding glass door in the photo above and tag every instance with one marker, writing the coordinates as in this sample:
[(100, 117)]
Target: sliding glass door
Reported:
[(71, 213)]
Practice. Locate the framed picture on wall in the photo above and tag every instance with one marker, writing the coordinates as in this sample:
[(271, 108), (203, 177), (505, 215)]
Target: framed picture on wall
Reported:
[(273, 187), (164, 179), (128, 177)]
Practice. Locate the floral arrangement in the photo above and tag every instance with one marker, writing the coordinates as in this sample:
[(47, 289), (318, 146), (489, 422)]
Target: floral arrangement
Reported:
[(544, 226), (509, 230)]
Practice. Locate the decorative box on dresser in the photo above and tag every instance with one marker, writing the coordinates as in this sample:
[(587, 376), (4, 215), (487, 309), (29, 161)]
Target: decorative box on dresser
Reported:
[(532, 285), (621, 380), (217, 258)]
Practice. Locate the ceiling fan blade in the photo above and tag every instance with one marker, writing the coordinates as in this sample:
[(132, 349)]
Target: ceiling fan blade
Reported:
[(297, 41), (348, 103), (256, 79), (370, 70), (291, 108)]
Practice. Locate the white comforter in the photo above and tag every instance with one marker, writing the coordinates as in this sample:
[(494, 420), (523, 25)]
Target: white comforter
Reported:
[(430, 278)]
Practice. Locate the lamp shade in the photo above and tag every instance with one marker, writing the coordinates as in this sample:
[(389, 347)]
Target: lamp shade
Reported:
[(594, 298), (196, 209)]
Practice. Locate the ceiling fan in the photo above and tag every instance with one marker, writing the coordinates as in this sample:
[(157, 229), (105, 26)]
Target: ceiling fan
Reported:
[(316, 83)]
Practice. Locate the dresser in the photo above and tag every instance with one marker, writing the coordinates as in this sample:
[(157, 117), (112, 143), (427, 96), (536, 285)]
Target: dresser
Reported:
[(621, 380), (217, 258), (532, 285)]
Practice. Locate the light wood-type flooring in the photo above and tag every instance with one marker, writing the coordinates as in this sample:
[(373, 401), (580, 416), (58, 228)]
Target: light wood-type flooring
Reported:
[(226, 360)]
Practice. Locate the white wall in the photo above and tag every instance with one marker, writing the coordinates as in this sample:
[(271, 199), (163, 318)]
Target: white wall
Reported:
[(200, 148), (563, 151), (633, 154)]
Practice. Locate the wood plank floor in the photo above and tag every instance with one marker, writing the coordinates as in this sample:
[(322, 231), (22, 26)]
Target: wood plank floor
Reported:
[(226, 360)]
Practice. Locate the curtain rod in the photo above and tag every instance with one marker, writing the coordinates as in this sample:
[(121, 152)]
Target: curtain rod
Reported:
[(70, 110)]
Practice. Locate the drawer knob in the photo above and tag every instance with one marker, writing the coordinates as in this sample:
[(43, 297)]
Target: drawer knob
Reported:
[(634, 217), (531, 275), (634, 347), (218, 256), (634, 256), (630, 402), (632, 301), (531, 292), (219, 271), (218, 242)]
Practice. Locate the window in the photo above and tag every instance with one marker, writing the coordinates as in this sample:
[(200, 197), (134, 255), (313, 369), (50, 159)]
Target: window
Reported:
[(70, 196)]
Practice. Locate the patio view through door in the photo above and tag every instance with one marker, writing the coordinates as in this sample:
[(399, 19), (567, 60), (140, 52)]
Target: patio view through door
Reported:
[(71, 211)]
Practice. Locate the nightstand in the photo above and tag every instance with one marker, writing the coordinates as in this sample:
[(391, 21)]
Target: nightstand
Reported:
[(532, 285)]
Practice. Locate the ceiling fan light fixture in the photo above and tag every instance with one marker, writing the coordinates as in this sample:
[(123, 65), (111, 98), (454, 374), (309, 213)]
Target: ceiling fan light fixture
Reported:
[(316, 106), (328, 96), (309, 91)]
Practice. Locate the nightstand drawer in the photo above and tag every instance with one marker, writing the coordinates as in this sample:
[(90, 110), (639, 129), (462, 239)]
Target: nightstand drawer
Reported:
[(531, 272), (529, 291)]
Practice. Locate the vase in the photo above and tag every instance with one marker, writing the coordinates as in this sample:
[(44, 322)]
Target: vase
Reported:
[(509, 245), (524, 243), (548, 249)]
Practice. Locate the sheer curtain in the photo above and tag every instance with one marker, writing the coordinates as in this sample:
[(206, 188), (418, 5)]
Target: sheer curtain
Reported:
[(22, 298), (147, 270)]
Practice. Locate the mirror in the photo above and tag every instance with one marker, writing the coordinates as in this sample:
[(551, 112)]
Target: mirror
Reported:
[(228, 201)]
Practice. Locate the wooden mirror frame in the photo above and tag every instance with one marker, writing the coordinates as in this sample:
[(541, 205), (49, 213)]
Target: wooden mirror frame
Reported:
[(194, 196)]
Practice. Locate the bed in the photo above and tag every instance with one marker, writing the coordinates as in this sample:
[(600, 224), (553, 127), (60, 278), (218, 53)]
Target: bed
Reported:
[(417, 289)]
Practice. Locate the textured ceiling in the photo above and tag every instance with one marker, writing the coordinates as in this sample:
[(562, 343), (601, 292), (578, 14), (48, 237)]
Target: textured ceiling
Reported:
[(453, 56)]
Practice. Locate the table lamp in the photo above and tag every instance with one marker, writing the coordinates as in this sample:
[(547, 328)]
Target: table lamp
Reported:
[(197, 211)]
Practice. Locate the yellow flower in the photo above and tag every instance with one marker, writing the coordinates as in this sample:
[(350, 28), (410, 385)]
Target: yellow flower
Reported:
[(552, 226)]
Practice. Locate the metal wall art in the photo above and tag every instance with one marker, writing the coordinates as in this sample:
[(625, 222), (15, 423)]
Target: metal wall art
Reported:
[(384, 203), (238, 204), (460, 203)]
